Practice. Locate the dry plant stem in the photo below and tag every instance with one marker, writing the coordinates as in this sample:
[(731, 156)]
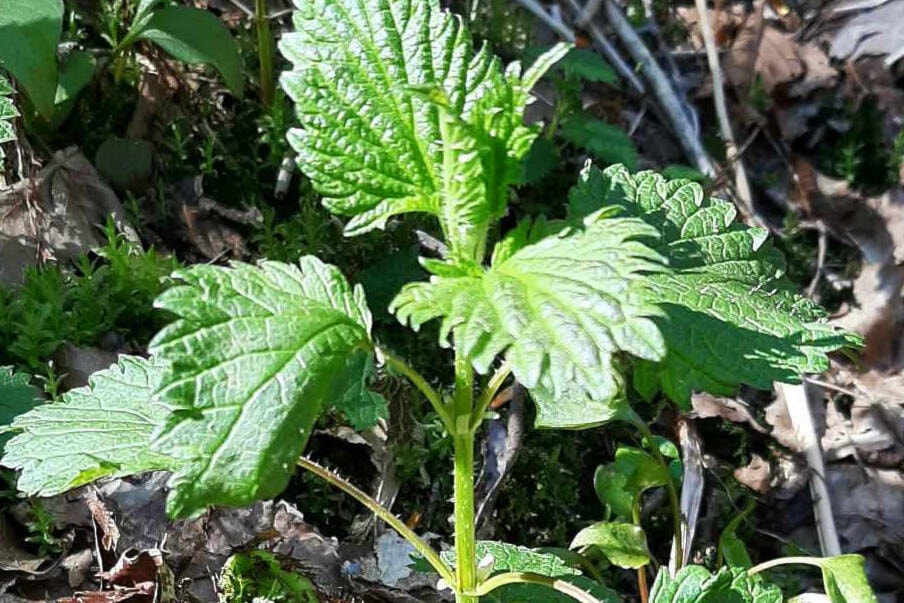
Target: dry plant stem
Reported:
[(692, 485), (742, 185), (377, 509), (798, 405), (567, 34), (604, 46), (662, 89), (567, 588)]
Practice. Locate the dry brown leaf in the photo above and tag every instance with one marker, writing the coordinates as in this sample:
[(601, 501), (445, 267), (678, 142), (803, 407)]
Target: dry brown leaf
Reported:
[(707, 406), (103, 519), (818, 73), (57, 216), (868, 505), (757, 475)]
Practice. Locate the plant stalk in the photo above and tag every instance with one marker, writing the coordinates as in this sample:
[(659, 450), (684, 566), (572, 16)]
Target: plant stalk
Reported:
[(562, 586), (674, 501), (465, 528), (814, 561), (425, 388), (264, 52), (383, 513), (486, 398)]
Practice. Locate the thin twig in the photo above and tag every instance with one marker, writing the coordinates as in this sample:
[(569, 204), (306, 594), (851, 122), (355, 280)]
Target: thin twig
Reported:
[(799, 412), (662, 89), (602, 44), (742, 184), (584, 16), (820, 260), (553, 23)]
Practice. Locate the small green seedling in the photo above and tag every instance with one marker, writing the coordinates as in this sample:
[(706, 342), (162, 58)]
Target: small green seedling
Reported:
[(188, 34), (399, 113)]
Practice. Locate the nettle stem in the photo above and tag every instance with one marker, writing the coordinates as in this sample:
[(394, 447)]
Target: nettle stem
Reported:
[(264, 52), (463, 440)]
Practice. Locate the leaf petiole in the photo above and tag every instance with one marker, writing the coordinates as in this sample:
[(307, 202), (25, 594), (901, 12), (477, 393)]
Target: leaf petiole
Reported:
[(383, 513), (420, 382)]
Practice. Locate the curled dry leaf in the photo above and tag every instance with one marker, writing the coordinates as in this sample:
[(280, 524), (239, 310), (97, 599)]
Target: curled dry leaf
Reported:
[(707, 406), (56, 216), (756, 475), (875, 32)]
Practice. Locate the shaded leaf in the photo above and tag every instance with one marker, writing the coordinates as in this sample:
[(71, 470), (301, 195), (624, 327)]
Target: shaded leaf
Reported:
[(17, 396), (195, 36), (100, 430), (76, 72), (605, 142), (845, 580), (30, 32), (257, 353), (538, 593)]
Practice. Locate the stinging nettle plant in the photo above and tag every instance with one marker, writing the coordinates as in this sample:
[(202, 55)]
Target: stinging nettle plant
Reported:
[(399, 113)]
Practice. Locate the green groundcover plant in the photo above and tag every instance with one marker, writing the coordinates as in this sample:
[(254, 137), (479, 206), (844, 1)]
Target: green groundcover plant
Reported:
[(646, 277)]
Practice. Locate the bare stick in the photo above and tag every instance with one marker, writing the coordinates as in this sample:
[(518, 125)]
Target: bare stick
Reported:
[(798, 404), (662, 89), (603, 45), (742, 185)]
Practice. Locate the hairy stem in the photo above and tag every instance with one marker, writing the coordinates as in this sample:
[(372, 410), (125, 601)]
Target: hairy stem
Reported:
[(425, 388), (465, 528), (486, 398), (383, 513), (567, 588), (264, 52)]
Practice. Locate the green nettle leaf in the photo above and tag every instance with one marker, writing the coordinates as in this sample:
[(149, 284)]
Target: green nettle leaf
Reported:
[(587, 65), (503, 557), (194, 36), (8, 113), (361, 406), (695, 584), (540, 593), (731, 316), (400, 114), (500, 557), (100, 430), (624, 544), (30, 32), (17, 396), (257, 353), (605, 142), (558, 309)]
